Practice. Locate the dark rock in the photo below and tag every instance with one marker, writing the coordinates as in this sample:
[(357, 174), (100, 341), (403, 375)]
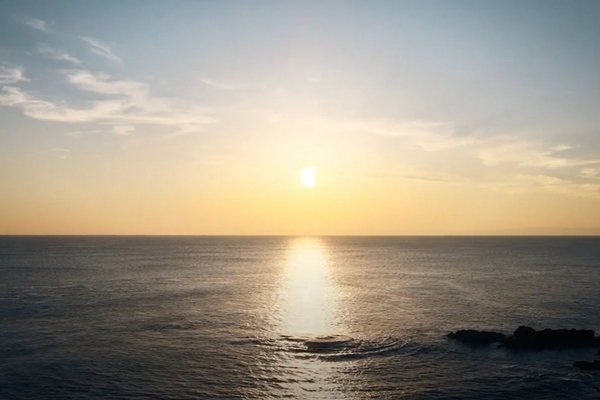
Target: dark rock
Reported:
[(474, 337), (526, 338), (587, 365)]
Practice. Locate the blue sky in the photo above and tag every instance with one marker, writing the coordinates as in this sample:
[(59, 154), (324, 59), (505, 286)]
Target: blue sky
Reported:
[(503, 96)]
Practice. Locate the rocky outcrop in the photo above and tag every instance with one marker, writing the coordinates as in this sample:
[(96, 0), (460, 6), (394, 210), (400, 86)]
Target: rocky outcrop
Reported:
[(527, 338), (587, 365), (477, 338)]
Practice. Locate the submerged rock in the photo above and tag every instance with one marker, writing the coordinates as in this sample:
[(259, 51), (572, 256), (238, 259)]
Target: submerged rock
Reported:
[(527, 338), (326, 343), (587, 365), (475, 337)]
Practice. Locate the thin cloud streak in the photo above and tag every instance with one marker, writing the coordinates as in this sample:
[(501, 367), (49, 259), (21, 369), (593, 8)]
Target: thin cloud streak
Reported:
[(229, 86), (520, 183), (38, 24), (101, 49), (123, 130), (103, 83), (59, 55), (527, 154), (428, 135), (61, 154)]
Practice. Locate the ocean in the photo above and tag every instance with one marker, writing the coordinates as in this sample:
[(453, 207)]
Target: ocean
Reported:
[(291, 317)]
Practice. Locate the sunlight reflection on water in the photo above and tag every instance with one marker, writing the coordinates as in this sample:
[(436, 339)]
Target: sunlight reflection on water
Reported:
[(308, 322), (308, 301)]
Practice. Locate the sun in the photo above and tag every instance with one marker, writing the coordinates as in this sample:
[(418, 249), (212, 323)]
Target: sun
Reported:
[(307, 177)]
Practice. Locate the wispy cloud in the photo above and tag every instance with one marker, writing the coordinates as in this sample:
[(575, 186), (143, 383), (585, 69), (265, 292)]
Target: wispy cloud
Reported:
[(428, 135), (61, 154), (419, 174), (103, 83), (56, 54), (230, 86), (10, 74), (524, 164), (590, 173), (519, 183), (101, 49), (527, 153), (38, 24), (123, 130), (125, 104), (491, 150)]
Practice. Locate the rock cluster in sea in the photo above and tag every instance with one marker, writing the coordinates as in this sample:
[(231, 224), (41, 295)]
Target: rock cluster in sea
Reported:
[(527, 338), (587, 365)]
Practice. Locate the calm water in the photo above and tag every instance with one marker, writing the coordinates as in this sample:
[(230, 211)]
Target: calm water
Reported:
[(271, 318)]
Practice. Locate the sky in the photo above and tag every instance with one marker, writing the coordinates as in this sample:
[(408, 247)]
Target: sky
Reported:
[(423, 117)]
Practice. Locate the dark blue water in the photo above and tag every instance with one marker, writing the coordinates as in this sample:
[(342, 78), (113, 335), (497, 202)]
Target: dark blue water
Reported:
[(281, 317)]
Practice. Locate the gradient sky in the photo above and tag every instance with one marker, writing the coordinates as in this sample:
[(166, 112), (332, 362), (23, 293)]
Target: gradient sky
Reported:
[(195, 117)]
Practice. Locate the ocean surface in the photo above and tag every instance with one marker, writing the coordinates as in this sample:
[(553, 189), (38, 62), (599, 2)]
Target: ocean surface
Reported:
[(291, 317)]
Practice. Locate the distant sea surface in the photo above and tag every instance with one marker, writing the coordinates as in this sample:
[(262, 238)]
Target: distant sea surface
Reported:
[(285, 317)]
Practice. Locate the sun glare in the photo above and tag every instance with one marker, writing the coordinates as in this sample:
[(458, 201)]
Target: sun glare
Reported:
[(308, 295), (307, 177)]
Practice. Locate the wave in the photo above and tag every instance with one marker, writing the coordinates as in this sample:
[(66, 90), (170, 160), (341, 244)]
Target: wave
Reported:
[(340, 347)]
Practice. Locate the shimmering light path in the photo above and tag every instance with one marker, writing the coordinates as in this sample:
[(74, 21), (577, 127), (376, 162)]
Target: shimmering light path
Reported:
[(307, 314), (308, 298)]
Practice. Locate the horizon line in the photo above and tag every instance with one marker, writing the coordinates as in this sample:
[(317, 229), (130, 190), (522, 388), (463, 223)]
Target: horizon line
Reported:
[(297, 235)]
